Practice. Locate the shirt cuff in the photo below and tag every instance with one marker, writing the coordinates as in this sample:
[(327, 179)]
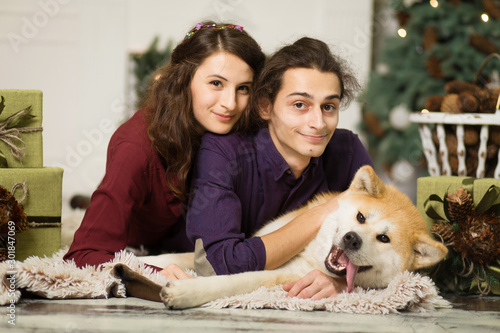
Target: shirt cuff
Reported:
[(260, 252)]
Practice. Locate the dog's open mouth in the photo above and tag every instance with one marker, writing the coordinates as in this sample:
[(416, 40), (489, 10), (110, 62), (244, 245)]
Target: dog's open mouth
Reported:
[(338, 263)]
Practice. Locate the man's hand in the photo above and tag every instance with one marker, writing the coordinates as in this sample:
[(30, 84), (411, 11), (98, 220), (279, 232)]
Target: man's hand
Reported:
[(174, 272), (315, 285)]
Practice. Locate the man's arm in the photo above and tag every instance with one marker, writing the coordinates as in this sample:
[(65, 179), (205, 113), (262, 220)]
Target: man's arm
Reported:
[(286, 242)]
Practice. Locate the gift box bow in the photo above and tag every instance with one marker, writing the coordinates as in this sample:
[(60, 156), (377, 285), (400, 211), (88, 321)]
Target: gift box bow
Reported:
[(437, 208), (10, 129), (468, 268)]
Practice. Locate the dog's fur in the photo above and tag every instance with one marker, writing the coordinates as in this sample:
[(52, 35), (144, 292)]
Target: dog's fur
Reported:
[(375, 234)]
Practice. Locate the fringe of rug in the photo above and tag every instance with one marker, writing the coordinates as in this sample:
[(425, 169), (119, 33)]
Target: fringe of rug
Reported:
[(407, 292), (54, 278)]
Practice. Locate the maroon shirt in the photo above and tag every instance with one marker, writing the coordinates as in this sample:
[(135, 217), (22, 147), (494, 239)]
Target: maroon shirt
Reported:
[(133, 205)]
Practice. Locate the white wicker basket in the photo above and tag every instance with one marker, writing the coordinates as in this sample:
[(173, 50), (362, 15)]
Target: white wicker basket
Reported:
[(425, 119)]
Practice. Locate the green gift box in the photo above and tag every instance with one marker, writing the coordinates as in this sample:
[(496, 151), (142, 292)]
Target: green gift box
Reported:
[(450, 275), (41, 198), (27, 129), (426, 186)]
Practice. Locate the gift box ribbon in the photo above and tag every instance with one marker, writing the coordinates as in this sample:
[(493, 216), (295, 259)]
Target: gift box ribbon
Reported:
[(436, 207), (35, 221), (10, 130)]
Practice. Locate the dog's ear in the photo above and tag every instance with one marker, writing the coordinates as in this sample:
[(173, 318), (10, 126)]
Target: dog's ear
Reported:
[(428, 251), (366, 180)]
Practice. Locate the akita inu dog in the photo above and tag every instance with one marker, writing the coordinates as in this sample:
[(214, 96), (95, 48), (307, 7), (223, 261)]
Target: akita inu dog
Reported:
[(375, 233)]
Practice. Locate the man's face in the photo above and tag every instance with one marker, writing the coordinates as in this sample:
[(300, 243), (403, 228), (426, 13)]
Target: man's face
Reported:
[(304, 115)]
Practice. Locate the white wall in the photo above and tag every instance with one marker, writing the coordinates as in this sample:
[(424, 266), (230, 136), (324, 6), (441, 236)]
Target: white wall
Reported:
[(76, 52)]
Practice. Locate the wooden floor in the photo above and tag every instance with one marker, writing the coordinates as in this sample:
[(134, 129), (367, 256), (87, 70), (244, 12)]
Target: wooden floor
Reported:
[(470, 314)]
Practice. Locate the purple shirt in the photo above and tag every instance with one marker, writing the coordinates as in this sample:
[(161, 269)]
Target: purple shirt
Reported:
[(241, 182)]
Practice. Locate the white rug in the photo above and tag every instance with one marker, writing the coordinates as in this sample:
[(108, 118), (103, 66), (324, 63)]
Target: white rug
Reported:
[(53, 278)]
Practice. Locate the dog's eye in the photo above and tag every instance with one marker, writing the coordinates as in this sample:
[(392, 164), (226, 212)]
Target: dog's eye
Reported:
[(361, 218), (383, 238)]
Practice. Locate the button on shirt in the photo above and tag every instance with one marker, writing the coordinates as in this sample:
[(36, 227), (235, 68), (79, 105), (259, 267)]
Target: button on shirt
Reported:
[(242, 182)]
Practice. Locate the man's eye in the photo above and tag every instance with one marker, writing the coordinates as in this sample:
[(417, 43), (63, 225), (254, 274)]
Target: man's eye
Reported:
[(299, 106), (329, 108)]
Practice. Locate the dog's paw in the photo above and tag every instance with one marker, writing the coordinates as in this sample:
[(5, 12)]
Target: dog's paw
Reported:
[(179, 294), (169, 295)]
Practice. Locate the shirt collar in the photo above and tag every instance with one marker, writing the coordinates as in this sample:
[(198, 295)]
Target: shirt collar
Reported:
[(267, 153)]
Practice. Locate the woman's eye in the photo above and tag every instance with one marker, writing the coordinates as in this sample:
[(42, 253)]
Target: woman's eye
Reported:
[(216, 83), (244, 89), (383, 238), (361, 218)]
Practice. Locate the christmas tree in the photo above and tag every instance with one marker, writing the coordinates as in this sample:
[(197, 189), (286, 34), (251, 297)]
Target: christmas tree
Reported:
[(437, 41), (146, 63)]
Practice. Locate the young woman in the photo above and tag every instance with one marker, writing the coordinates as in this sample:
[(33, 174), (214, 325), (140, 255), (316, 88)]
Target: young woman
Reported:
[(140, 202)]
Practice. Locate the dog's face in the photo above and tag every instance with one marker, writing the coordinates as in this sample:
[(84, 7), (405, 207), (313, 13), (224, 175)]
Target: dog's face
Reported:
[(376, 233)]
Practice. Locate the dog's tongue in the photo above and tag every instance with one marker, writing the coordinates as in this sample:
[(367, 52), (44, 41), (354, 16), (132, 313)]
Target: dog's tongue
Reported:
[(351, 271)]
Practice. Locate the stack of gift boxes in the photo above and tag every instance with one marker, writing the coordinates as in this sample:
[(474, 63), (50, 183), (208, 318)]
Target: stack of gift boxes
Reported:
[(38, 189)]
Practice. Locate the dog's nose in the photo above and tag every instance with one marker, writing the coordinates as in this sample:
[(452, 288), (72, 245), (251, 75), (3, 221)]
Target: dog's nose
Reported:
[(352, 241)]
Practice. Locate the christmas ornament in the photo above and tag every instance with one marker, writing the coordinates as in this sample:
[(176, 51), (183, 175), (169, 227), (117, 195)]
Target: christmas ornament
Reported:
[(402, 171), (399, 117)]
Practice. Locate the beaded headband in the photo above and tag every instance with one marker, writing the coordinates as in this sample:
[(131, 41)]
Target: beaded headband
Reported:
[(213, 26)]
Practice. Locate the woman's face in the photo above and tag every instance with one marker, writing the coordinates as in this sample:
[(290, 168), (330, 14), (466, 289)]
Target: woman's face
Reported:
[(220, 88)]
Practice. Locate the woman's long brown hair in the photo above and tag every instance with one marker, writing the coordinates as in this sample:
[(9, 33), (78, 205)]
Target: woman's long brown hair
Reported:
[(172, 128)]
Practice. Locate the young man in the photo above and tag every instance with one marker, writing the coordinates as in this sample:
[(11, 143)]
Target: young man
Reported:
[(241, 182)]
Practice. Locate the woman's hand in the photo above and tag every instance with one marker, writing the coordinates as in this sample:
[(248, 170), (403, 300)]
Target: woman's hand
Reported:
[(315, 285), (174, 272)]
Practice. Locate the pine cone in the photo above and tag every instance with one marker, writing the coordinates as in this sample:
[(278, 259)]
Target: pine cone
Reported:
[(471, 135), (486, 101), (445, 230), (433, 66), (10, 210), (457, 87), (491, 151), (403, 18), (450, 104), (492, 9), (3, 254), (430, 38), (433, 103), (480, 240), (460, 205), (482, 44), (467, 102), (495, 135), (373, 124)]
